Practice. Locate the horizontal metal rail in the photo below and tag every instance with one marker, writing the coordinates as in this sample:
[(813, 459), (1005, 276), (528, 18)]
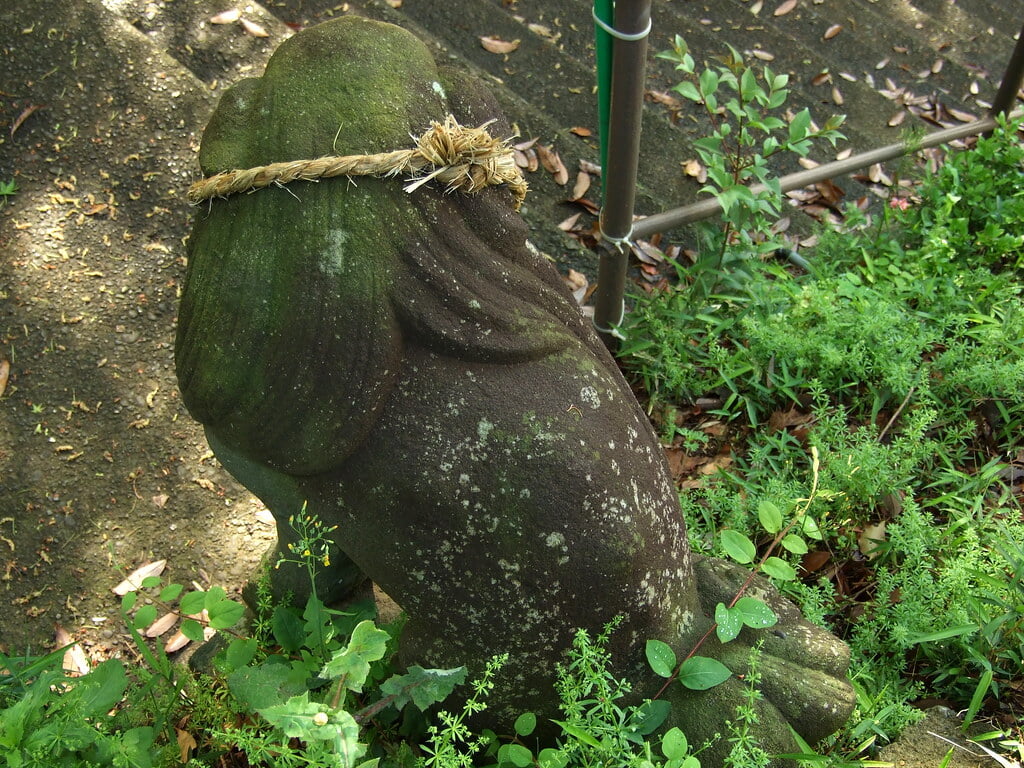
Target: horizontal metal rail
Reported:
[(677, 217)]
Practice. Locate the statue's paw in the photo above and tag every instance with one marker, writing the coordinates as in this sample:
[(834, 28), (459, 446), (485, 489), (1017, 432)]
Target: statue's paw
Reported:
[(801, 671)]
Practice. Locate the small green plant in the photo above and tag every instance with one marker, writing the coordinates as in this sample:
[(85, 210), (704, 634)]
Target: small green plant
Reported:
[(8, 189), (747, 129)]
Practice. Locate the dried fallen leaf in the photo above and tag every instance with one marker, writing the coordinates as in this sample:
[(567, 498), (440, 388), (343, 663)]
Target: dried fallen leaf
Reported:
[(186, 742), (136, 577), (785, 8), (696, 170), (579, 130), (162, 625), (937, 66), (203, 482), (882, 64), (832, 31), (176, 642), (393, 4), (592, 168), (525, 145), (959, 114), (755, 7), (160, 500), (497, 45), (254, 29), (229, 16), (553, 164), (837, 97), (23, 117), (581, 186), (844, 153), (5, 373), (869, 539), (821, 78), (74, 662), (814, 561), (577, 283), (763, 55), (567, 224), (898, 118)]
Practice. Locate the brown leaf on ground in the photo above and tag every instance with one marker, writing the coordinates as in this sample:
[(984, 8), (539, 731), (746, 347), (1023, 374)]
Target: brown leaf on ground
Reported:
[(254, 29), (567, 225), (579, 130), (577, 283), (23, 117), (898, 118), (785, 8), (814, 561), (832, 31), (5, 373), (186, 742), (821, 78), (780, 420), (176, 642), (229, 16), (497, 45), (695, 169), (581, 186), (553, 164), (136, 577), (763, 55), (74, 662), (161, 625)]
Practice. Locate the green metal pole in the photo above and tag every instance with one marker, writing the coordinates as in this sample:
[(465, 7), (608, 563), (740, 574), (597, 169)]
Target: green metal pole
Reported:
[(605, 11)]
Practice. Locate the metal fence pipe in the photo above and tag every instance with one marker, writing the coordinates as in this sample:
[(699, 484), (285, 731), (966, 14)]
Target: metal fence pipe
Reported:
[(677, 217), (629, 59)]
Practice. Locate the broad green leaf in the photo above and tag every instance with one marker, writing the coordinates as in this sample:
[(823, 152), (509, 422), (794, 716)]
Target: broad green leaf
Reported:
[(288, 628), (577, 733), (943, 634), (170, 592), (525, 724), (150, 582), (193, 603), (102, 688), (778, 569), (770, 517), (128, 601), (648, 717), (810, 528), (193, 630), (708, 83), (661, 657), (353, 662), (793, 543), (145, 616), (755, 613), (214, 595), (552, 758), (738, 546), (516, 754), (699, 673), (728, 623), (264, 685), (799, 124), (424, 687), (241, 651), (674, 745), (688, 90), (224, 613)]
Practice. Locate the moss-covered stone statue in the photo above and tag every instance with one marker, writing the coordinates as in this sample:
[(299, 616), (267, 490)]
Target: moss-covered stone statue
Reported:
[(402, 362)]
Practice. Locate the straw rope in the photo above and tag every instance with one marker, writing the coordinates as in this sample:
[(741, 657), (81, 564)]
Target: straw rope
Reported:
[(461, 158)]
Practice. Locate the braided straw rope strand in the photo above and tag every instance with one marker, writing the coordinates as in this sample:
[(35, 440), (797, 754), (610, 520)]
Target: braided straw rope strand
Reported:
[(461, 158)]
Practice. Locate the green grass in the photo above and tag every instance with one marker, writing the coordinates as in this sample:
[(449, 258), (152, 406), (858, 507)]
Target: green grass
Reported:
[(903, 347)]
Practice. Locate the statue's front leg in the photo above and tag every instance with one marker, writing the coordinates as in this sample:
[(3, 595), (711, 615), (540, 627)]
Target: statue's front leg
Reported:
[(284, 497)]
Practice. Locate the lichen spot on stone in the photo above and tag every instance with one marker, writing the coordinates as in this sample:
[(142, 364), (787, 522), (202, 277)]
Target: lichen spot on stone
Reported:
[(332, 258), (590, 398), (554, 539), (438, 89), (483, 429), (474, 304)]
